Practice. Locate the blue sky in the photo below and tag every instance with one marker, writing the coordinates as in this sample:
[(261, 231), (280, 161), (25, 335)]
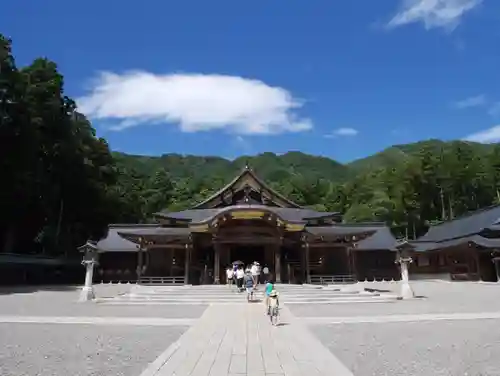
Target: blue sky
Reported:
[(342, 79)]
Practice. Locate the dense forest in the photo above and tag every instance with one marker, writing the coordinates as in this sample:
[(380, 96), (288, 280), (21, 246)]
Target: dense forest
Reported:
[(61, 184)]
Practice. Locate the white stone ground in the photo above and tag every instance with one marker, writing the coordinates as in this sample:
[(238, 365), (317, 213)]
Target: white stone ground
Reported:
[(452, 331)]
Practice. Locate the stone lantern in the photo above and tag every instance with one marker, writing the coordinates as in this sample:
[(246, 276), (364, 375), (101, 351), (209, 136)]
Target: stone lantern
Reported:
[(90, 255), (404, 259)]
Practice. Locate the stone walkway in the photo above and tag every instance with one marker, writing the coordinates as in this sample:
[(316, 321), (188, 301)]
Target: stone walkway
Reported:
[(240, 340)]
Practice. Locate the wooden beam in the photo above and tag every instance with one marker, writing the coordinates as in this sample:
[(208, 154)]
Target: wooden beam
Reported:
[(247, 240), (330, 245), (166, 246)]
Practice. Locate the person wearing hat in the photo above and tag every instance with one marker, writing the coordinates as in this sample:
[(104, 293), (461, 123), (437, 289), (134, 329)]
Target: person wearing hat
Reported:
[(272, 301)]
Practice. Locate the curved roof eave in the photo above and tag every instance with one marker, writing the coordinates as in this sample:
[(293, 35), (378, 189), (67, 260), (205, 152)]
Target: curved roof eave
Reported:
[(243, 208)]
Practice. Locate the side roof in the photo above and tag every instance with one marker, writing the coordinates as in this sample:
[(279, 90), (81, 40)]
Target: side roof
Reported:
[(381, 237), (113, 242), (473, 239), (249, 178), (466, 225)]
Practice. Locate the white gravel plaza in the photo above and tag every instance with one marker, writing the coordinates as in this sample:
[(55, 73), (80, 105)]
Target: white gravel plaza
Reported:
[(452, 331)]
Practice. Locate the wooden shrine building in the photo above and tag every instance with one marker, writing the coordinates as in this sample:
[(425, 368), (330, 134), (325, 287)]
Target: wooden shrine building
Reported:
[(247, 221), (465, 248)]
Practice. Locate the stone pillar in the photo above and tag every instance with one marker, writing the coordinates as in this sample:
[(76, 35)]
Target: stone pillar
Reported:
[(277, 264), (89, 261), (187, 261), (216, 264), (406, 290)]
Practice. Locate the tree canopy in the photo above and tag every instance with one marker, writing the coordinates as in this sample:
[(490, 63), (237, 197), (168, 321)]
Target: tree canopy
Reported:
[(61, 184)]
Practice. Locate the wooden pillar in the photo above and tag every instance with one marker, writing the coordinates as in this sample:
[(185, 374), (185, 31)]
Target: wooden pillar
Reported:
[(217, 249), (308, 271), (146, 261), (139, 261), (477, 263), (354, 262), (277, 263), (187, 260), (169, 258), (303, 263), (496, 262)]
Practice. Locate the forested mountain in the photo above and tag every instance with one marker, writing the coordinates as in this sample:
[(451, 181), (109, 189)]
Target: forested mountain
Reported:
[(62, 185)]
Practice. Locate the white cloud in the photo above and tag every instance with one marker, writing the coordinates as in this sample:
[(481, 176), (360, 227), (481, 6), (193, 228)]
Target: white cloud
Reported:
[(433, 13), (477, 101), (196, 102), (342, 132), (485, 136)]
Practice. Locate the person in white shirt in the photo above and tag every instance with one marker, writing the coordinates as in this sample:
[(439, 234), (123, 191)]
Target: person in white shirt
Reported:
[(265, 273), (240, 273), (255, 270), (229, 275)]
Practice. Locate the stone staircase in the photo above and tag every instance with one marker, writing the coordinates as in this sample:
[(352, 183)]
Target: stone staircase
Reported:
[(222, 294)]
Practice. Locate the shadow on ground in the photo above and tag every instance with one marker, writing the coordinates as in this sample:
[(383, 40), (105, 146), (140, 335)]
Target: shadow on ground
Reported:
[(28, 289)]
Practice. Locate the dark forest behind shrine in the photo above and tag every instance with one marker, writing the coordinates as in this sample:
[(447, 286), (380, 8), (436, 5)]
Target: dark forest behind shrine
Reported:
[(61, 184)]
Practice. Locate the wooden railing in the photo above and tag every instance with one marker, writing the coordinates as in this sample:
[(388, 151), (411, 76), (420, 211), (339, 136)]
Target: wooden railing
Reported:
[(161, 281), (332, 279)]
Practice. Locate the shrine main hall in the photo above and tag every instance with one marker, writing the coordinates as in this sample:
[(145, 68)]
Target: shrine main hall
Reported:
[(246, 221)]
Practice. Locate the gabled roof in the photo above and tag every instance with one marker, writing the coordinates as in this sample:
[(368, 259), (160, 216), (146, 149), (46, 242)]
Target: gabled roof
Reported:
[(469, 224), (247, 177)]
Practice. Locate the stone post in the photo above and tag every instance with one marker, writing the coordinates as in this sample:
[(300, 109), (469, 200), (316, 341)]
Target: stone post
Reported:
[(406, 290), (89, 260)]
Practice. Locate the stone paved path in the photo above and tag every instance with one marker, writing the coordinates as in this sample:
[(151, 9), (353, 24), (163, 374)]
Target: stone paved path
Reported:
[(239, 340)]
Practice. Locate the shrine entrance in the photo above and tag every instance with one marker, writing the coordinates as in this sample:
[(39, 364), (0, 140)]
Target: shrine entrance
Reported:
[(248, 254)]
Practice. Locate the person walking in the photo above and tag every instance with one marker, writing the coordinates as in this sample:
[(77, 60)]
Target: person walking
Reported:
[(235, 269), (267, 292), (240, 273), (255, 271), (248, 280), (265, 273), (229, 275)]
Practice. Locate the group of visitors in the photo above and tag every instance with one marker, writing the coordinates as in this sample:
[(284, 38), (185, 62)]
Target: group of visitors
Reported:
[(244, 278), (249, 278), (235, 274)]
